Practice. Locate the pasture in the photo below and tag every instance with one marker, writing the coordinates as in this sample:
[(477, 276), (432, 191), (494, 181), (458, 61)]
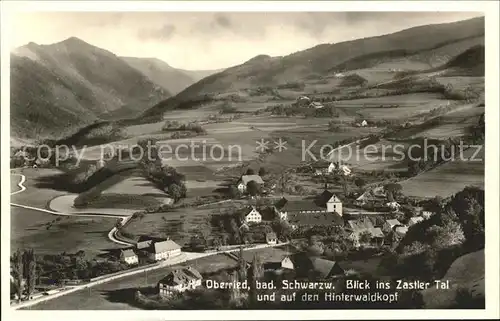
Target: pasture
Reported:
[(392, 107), (179, 224), (33, 195), (454, 124), (383, 155), (53, 234), (448, 178)]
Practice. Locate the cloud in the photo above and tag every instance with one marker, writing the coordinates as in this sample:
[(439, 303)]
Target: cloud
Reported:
[(165, 32)]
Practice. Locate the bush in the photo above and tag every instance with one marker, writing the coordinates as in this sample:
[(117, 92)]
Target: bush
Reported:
[(353, 80), (227, 108)]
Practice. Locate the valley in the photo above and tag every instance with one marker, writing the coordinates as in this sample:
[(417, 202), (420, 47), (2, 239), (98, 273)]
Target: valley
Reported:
[(249, 159)]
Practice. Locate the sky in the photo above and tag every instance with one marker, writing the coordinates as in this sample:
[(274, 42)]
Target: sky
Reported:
[(212, 40)]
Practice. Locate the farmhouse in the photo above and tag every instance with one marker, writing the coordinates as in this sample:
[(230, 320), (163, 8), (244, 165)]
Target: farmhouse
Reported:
[(426, 214), (395, 206), (323, 169), (316, 105), (315, 219), (253, 216), (287, 263), (303, 101), (364, 198), (179, 280), (414, 220), (326, 202), (359, 227), (271, 238), (245, 179), (389, 225), (316, 267), (128, 256), (164, 250), (345, 170), (401, 230)]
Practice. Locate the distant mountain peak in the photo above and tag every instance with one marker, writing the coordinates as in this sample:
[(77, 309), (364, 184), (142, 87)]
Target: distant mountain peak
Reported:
[(73, 40)]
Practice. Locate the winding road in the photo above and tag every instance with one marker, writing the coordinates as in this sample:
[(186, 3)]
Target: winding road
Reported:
[(187, 256), (112, 233)]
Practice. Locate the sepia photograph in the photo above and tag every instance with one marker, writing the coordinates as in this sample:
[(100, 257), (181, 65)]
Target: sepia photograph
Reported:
[(249, 158)]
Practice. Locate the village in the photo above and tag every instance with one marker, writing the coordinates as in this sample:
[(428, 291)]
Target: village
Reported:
[(143, 186), (286, 221)]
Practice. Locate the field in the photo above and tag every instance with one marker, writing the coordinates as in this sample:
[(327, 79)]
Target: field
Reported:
[(177, 224), (33, 195), (454, 124), (383, 155), (392, 107), (69, 234), (448, 178)]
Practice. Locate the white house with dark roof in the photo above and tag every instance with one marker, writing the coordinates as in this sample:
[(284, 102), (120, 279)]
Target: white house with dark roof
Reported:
[(327, 202), (245, 179), (253, 216), (271, 238), (164, 250), (179, 280), (128, 256), (287, 263)]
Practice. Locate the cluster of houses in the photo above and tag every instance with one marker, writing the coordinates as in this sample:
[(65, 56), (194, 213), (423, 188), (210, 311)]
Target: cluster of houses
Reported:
[(304, 101), (377, 235), (325, 168), (181, 279), (152, 250), (324, 209), (327, 210), (245, 179)]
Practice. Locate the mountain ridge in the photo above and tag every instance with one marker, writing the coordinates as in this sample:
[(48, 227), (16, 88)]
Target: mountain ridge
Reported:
[(321, 60), (81, 81)]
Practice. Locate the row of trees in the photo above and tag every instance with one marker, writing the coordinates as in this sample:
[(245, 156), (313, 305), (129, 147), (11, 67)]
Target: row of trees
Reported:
[(24, 273), (163, 176)]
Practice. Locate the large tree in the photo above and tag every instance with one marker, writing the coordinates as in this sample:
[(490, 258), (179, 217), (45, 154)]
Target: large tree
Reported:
[(30, 271), (17, 273), (253, 188)]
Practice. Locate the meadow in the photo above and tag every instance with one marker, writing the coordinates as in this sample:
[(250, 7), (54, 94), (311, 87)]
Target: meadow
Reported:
[(448, 178), (179, 224), (53, 234), (33, 195)]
